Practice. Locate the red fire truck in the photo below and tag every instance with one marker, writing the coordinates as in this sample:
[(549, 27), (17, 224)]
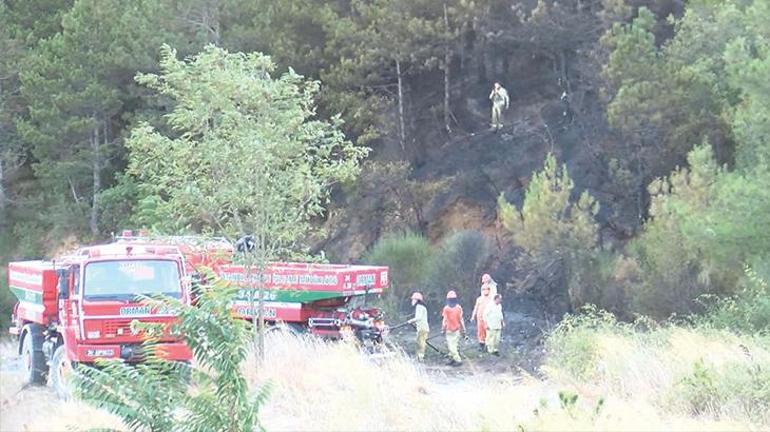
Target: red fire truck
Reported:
[(80, 307), (323, 299)]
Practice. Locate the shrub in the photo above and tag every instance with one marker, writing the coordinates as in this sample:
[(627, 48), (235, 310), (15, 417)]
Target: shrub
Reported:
[(458, 266), (409, 257), (7, 299), (416, 266), (737, 387), (155, 395), (572, 346), (704, 223), (683, 370), (748, 311)]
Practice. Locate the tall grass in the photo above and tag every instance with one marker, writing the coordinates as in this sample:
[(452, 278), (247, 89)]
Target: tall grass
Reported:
[(329, 386), (682, 371)]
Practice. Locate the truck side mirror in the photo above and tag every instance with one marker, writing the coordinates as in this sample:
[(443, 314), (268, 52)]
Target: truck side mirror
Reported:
[(63, 283)]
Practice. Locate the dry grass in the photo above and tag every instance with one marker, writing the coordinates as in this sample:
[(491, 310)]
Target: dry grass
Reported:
[(331, 386), (37, 408), (681, 372), (321, 386)]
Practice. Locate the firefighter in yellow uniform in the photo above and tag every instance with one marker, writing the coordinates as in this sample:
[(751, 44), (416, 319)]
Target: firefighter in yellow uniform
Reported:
[(420, 322), (500, 100), (493, 318)]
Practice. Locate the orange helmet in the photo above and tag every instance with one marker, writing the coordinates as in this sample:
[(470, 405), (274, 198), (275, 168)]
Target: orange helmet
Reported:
[(451, 295), (416, 296)]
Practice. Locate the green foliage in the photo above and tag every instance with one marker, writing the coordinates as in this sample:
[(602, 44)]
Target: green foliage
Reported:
[(555, 231), (144, 396), (75, 98), (7, 299), (246, 154), (747, 311), (708, 389), (705, 222), (667, 98), (120, 206), (671, 265), (155, 395), (684, 369), (700, 388), (748, 61), (568, 400), (572, 345), (409, 257), (549, 221), (458, 265)]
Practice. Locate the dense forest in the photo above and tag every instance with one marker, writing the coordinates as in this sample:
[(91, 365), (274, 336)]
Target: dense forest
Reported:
[(633, 171), (623, 207)]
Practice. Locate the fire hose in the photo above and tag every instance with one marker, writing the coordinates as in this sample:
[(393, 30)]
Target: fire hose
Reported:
[(398, 326), (445, 354), (427, 341)]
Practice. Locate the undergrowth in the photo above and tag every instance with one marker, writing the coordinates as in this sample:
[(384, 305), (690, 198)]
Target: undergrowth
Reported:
[(681, 369)]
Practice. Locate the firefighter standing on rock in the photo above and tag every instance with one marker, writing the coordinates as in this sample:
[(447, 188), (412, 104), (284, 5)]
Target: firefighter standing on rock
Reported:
[(500, 99)]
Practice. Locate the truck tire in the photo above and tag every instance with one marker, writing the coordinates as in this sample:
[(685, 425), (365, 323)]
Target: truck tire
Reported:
[(62, 370), (32, 357)]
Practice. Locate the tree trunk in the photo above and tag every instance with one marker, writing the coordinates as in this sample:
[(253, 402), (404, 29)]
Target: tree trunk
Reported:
[(402, 131), (446, 74), (261, 320), (2, 194), (97, 181), (563, 72)]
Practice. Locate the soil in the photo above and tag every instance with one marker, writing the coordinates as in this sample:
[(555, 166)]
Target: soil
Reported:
[(522, 347)]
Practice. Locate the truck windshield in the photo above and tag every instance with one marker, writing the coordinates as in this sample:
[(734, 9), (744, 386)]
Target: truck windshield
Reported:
[(362, 300), (124, 280)]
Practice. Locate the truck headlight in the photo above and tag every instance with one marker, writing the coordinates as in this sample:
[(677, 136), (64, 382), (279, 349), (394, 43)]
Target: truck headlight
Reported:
[(93, 334)]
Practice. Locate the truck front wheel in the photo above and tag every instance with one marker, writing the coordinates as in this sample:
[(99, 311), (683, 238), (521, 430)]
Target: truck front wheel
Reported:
[(62, 370), (33, 359)]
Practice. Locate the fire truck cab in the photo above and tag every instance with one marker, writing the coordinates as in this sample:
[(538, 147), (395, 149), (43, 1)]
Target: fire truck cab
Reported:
[(80, 308)]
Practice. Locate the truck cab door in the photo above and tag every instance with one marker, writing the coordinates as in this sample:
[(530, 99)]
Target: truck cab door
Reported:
[(69, 305)]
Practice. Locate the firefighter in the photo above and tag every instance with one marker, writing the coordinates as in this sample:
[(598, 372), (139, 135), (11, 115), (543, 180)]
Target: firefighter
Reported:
[(486, 280), (478, 316), (500, 99), (453, 326), (420, 322), (493, 316)]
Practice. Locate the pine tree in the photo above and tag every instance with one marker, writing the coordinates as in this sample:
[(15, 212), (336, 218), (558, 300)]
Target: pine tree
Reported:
[(77, 86), (555, 232), (22, 25)]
